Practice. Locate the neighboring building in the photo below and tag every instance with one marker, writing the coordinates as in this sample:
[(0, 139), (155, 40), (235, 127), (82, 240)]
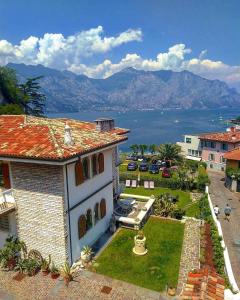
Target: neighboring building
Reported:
[(59, 178), (215, 145), (191, 147), (233, 162)]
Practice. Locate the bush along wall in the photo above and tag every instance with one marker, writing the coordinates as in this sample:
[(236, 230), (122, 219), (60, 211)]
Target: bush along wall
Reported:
[(218, 257)]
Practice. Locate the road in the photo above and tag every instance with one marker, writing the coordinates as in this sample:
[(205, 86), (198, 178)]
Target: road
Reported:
[(220, 196)]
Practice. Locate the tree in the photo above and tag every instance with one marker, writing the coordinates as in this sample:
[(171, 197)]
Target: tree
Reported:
[(169, 152), (134, 148), (32, 100), (143, 148), (152, 148), (20, 98)]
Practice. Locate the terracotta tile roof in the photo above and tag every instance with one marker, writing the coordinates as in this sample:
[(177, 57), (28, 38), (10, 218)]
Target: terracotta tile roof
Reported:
[(229, 136), (43, 138), (204, 284), (233, 154)]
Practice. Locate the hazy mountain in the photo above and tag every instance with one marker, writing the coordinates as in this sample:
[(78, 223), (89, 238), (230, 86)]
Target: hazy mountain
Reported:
[(129, 89)]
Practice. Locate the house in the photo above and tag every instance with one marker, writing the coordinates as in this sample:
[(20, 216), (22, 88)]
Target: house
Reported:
[(215, 145), (59, 178), (191, 147), (232, 179)]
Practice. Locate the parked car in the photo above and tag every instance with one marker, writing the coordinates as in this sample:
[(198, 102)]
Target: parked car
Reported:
[(166, 173), (132, 157), (143, 167), (142, 158), (132, 166), (153, 169)]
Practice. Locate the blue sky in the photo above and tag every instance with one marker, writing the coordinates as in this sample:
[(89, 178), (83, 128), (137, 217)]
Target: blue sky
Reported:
[(209, 29)]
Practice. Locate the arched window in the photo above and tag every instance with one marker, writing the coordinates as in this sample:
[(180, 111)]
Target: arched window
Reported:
[(103, 208), (82, 226), (85, 168), (79, 178), (100, 163), (89, 218), (94, 165), (96, 213)]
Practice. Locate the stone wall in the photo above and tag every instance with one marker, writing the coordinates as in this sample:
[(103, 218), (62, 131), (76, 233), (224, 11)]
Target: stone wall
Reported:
[(39, 195)]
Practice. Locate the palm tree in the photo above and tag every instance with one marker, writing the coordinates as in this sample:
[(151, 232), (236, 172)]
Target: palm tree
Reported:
[(134, 148), (143, 148), (169, 152), (152, 148)]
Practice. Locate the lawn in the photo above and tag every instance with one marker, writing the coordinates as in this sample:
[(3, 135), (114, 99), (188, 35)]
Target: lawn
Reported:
[(184, 197), (159, 267)]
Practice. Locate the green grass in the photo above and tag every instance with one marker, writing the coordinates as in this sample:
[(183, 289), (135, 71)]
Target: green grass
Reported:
[(184, 197), (156, 269), (193, 210)]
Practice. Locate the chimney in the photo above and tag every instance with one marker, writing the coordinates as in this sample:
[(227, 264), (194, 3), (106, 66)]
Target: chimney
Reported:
[(68, 140), (104, 124)]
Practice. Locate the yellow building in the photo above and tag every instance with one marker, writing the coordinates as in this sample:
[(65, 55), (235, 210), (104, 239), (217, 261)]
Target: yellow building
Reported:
[(233, 158)]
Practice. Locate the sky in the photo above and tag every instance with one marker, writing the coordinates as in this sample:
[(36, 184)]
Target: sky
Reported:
[(99, 38)]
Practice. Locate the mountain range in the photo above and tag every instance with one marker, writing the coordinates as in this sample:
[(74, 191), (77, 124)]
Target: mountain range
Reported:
[(129, 89)]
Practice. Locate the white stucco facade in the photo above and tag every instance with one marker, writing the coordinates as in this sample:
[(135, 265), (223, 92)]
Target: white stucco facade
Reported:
[(78, 199), (191, 146)]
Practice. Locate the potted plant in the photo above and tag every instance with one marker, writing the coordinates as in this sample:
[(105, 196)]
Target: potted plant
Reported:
[(45, 266), (54, 271), (140, 244), (86, 254), (171, 290), (10, 253), (31, 266), (67, 273)]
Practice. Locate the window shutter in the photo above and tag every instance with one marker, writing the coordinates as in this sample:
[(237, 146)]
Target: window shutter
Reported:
[(82, 226), (6, 176), (101, 163), (79, 178), (103, 208)]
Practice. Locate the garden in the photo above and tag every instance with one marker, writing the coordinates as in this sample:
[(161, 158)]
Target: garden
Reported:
[(154, 270)]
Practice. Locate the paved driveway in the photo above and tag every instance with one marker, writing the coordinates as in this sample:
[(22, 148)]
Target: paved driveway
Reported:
[(231, 230)]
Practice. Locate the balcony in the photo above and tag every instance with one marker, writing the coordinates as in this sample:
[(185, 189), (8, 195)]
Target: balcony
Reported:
[(7, 202)]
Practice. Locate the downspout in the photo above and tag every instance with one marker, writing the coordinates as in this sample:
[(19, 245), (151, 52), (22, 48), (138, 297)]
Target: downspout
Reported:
[(69, 221)]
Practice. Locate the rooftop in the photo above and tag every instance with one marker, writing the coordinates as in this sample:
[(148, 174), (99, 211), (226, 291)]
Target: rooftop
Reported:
[(233, 154), (43, 138), (229, 136)]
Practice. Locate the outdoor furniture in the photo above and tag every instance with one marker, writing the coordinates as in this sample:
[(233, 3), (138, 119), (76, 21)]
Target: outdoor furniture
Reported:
[(146, 184), (128, 183), (134, 183), (151, 185)]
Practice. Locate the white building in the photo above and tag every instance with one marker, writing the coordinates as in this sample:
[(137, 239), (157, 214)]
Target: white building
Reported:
[(191, 147), (59, 179)]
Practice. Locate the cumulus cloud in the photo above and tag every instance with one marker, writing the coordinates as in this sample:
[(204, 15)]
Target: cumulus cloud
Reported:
[(71, 53), (174, 59), (55, 50)]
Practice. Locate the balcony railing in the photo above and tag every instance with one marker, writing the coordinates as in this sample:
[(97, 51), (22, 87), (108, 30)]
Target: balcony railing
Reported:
[(7, 202)]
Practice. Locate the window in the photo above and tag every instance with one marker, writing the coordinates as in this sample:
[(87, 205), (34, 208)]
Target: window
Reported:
[(224, 146), (188, 140), (96, 213), (222, 159), (189, 151), (211, 166), (212, 144), (94, 165), (4, 176), (211, 157), (200, 153), (100, 163), (103, 208), (89, 219), (4, 223), (82, 226), (79, 178), (85, 168)]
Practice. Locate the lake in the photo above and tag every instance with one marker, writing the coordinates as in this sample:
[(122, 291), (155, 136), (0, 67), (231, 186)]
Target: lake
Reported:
[(156, 127)]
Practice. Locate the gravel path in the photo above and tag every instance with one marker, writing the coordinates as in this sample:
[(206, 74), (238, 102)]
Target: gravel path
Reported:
[(190, 251)]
